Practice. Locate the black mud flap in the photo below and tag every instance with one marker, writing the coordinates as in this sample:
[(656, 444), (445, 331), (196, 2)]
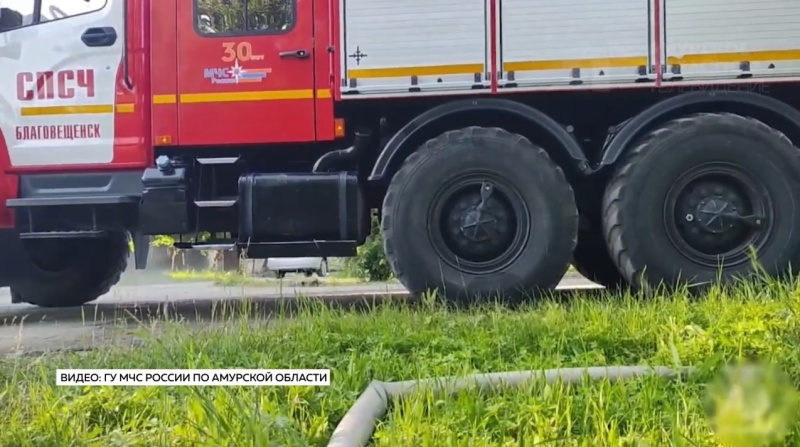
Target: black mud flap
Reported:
[(141, 250)]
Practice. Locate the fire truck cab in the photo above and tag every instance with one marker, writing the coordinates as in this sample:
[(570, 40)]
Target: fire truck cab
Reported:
[(647, 142)]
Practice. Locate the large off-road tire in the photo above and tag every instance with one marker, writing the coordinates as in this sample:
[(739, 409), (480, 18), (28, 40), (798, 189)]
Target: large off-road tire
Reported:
[(660, 205), (528, 226), (592, 260), (72, 272)]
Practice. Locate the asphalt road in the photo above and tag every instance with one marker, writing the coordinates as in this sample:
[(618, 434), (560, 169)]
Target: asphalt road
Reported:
[(120, 315)]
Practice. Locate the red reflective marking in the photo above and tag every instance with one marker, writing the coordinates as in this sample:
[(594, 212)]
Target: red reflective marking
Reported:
[(46, 85), (24, 90), (86, 81), (64, 90)]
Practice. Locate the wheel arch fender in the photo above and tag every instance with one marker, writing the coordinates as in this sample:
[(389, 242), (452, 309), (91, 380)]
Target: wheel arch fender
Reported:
[(631, 130), (402, 143)]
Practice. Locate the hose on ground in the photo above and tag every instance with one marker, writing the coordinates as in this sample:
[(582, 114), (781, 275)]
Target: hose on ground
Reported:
[(358, 424)]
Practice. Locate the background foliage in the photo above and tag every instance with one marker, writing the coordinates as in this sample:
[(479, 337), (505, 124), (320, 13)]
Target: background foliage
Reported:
[(237, 15), (370, 263)]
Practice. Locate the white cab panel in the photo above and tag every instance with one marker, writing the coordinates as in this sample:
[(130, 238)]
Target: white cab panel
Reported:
[(57, 95)]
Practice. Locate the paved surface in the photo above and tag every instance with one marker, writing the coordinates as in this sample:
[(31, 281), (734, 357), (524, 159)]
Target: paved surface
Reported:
[(120, 315)]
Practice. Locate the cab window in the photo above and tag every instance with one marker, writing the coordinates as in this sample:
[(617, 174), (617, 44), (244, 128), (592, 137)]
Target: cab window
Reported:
[(15, 14), (62, 9), (234, 17), (20, 13)]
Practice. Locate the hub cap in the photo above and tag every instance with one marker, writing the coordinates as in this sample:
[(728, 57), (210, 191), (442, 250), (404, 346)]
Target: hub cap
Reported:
[(715, 212), (478, 223)]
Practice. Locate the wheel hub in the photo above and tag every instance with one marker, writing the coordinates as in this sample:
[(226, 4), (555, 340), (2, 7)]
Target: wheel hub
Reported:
[(717, 213), (482, 227), (479, 225), (713, 214)]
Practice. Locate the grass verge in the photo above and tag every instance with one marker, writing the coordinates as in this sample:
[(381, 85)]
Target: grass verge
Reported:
[(401, 342), (238, 279)]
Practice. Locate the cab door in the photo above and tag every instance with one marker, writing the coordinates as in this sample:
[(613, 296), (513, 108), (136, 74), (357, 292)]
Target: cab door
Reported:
[(245, 71), (59, 62)]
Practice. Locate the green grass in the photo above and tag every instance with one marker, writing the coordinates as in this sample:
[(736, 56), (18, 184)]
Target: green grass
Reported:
[(401, 342)]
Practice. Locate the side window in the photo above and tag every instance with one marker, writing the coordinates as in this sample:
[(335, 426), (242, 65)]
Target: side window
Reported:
[(62, 9), (228, 17), (15, 14), (19, 13)]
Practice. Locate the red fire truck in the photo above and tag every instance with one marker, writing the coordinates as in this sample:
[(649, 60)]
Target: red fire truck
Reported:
[(644, 141)]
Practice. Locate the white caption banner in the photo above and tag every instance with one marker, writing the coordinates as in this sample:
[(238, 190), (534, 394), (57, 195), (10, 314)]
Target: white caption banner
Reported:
[(193, 377)]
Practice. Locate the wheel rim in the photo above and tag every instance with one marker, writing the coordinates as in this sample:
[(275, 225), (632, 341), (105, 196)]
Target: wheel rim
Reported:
[(715, 212), (480, 223)]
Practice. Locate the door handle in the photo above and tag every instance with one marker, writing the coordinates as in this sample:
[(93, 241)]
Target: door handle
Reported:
[(299, 54), (99, 37)]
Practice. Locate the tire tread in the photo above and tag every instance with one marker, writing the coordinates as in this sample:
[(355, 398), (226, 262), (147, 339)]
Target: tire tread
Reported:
[(619, 185), (479, 135)]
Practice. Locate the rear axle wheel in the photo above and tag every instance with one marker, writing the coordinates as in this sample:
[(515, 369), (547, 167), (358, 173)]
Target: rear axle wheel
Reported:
[(702, 197), (479, 212)]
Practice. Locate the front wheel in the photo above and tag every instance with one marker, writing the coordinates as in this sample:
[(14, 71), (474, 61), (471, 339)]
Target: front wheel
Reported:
[(479, 212), (698, 197), (71, 272)]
